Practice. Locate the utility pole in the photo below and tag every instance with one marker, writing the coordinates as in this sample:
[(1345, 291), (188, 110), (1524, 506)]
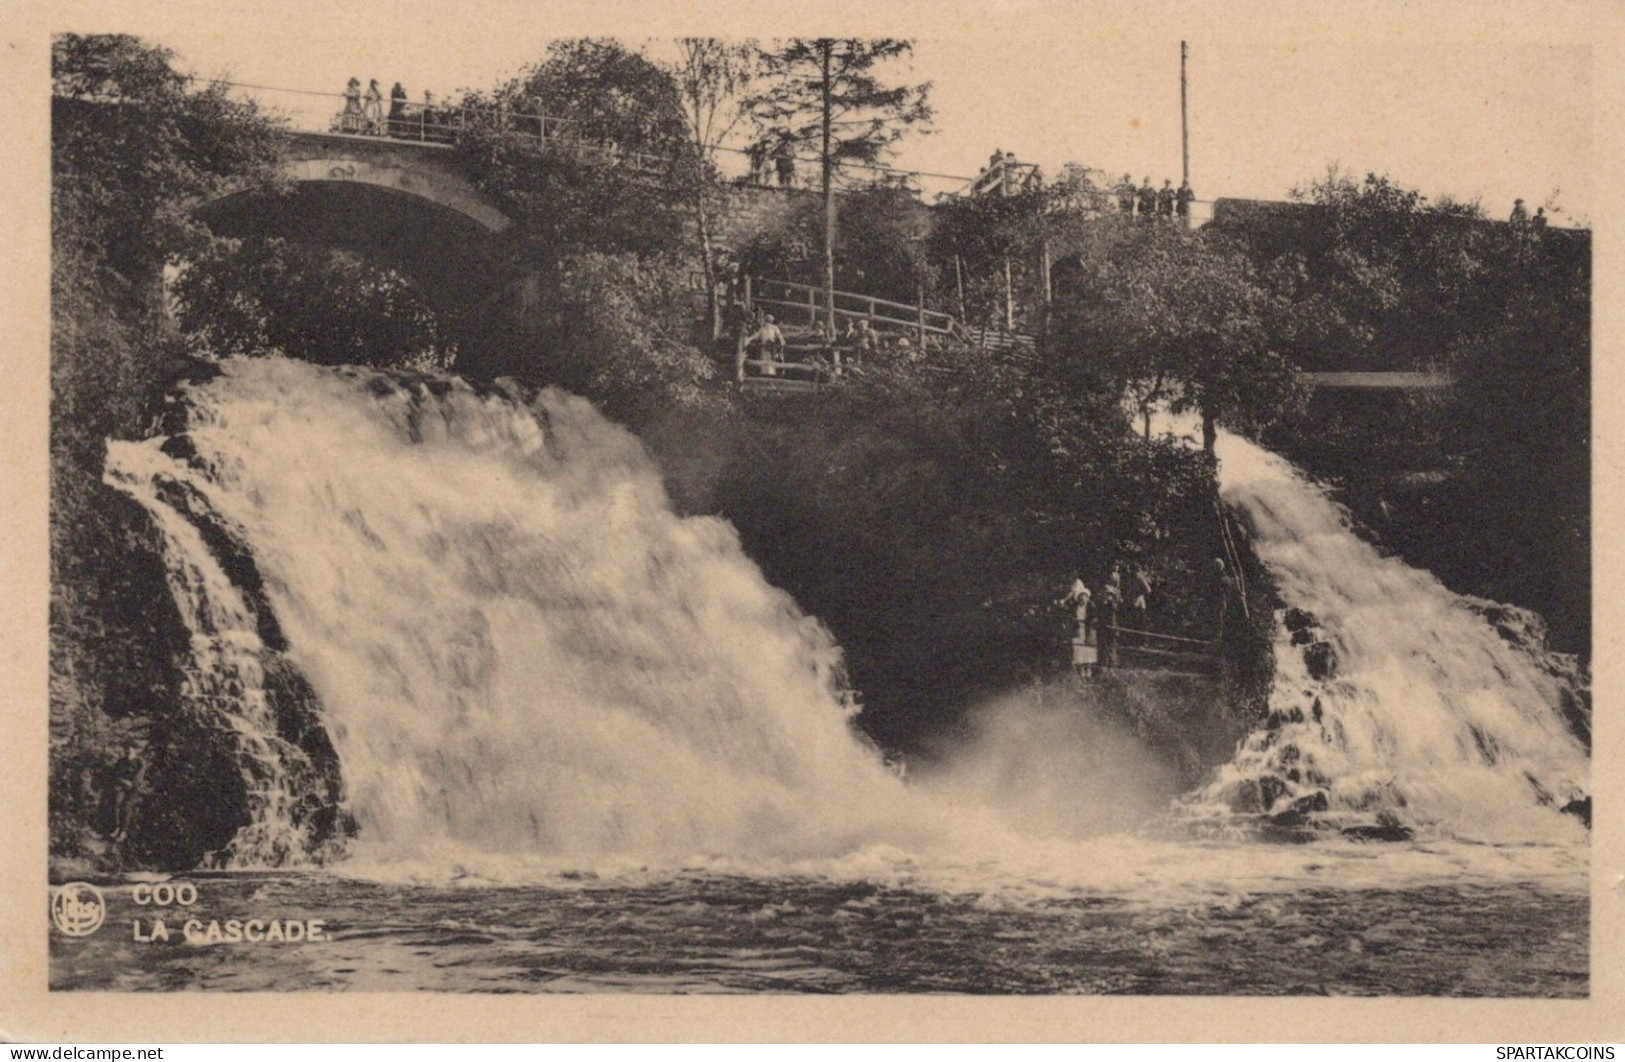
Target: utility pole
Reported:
[(1184, 121)]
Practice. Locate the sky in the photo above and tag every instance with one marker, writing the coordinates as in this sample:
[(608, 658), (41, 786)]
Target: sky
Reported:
[(1479, 102)]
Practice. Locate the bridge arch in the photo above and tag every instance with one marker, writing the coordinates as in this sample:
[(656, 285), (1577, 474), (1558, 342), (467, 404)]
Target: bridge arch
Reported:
[(400, 203)]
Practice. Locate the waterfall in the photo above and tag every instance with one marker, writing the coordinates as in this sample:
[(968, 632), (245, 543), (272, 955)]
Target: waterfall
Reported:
[(517, 646), (225, 685), (1397, 703)]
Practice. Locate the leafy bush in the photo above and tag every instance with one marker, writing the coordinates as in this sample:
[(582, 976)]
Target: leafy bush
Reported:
[(266, 296)]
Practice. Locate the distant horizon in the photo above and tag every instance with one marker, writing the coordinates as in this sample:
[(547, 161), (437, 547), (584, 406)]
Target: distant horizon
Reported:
[(1484, 119)]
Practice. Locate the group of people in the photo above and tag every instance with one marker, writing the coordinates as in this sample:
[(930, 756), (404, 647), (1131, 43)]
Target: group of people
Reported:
[(1520, 218), (859, 342), (1154, 204), (1097, 614), (364, 114), (772, 160), (1006, 175)]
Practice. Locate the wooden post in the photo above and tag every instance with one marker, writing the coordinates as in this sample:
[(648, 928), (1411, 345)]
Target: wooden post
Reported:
[(812, 306), (920, 309), (1009, 300), (1049, 291), (1184, 123), (959, 285)]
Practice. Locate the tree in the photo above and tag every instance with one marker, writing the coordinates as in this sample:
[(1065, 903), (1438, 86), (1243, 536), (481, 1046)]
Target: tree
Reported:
[(710, 76), (1186, 319), (134, 142), (824, 92), (589, 150)]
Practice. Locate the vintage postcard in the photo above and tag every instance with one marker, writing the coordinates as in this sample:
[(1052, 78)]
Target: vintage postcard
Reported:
[(734, 523)]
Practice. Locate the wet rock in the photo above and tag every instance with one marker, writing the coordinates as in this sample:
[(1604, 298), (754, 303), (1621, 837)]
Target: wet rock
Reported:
[(1246, 798), (1321, 660), (1386, 828), (1297, 619), (1299, 811), (1270, 789), (1580, 809), (1303, 637)]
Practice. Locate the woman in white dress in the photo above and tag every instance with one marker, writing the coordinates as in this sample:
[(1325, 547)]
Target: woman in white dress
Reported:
[(373, 109)]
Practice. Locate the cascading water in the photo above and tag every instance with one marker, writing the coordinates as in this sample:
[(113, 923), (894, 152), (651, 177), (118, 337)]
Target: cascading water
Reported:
[(533, 674), (224, 684), (517, 645), (1394, 699)]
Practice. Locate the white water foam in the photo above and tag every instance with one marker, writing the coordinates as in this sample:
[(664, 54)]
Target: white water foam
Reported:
[(520, 648), (1432, 716), (528, 663)]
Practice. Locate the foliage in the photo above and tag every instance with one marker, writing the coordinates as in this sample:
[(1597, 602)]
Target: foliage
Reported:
[(133, 142), (1521, 428), (1488, 484), (931, 520), (976, 238), (1183, 319), (879, 247), (611, 170), (267, 296), (618, 329), (824, 93)]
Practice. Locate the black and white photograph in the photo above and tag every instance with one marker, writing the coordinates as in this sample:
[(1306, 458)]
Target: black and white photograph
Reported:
[(1025, 500)]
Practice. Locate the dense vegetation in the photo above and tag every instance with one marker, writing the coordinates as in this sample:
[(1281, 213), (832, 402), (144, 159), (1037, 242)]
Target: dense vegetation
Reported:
[(1487, 484), (132, 142)]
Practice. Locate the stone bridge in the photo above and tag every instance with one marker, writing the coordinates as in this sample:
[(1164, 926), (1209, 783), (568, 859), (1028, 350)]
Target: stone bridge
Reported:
[(405, 203)]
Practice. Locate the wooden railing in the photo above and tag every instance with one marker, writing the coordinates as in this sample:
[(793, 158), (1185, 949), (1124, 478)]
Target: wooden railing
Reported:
[(806, 304), (1167, 651)]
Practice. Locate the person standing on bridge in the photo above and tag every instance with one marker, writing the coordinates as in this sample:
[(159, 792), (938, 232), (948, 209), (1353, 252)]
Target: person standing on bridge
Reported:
[(1148, 201), (350, 120), (1182, 203), (784, 163), (1125, 196), (397, 110), (1165, 201), (372, 110)]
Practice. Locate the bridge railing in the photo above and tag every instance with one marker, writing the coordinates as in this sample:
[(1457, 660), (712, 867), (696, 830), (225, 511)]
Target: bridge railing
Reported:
[(805, 303), (431, 122)]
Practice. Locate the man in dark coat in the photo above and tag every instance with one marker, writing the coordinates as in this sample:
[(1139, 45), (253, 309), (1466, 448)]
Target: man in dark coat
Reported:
[(1148, 200), (1182, 202), (1165, 201)]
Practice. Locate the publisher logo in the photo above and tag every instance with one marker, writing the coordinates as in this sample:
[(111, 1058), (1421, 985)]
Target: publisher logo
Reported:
[(77, 909)]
